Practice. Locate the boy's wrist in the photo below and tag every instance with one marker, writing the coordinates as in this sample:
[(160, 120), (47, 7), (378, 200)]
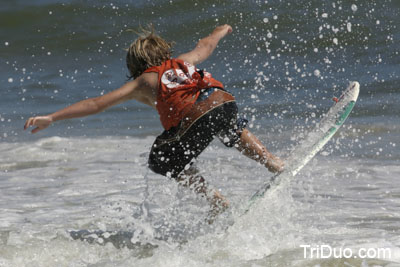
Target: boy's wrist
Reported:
[(51, 117)]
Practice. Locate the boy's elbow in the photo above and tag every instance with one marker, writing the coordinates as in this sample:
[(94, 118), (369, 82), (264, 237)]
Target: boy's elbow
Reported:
[(204, 49), (206, 44)]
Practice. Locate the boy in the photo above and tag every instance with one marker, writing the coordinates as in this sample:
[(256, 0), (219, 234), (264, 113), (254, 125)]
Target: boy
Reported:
[(193, 109)]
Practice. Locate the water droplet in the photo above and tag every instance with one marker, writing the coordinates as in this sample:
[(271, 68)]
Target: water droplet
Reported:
[(349, 26)]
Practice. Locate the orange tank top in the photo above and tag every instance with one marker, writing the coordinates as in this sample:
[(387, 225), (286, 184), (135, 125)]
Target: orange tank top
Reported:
[(179, 85)]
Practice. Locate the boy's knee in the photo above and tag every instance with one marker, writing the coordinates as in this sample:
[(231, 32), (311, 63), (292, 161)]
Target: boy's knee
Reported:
[(232, 137)]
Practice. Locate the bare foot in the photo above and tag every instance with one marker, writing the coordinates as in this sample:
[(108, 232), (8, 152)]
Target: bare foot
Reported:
[(218, 205), (274, 164)]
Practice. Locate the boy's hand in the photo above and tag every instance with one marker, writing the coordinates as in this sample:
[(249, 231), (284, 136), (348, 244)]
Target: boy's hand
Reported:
[(222, 30), (41, 122), (206, 46)]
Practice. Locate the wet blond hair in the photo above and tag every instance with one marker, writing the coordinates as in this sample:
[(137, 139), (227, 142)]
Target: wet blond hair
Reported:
[(146, 51)]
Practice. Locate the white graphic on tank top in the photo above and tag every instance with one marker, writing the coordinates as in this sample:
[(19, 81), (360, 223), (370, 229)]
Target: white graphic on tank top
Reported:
[(173, 78)]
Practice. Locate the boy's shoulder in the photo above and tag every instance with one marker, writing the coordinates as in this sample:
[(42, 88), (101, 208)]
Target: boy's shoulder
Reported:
[(148, 80)]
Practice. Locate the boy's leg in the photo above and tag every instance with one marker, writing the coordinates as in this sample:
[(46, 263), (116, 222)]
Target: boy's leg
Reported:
[(192, 179), (171, 157), (251, 147)]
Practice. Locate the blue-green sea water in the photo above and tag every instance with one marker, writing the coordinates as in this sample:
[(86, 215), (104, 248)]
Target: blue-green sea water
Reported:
[(284, 62)]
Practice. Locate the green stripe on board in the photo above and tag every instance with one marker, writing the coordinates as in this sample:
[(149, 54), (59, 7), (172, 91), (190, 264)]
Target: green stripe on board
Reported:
[(345, 113)]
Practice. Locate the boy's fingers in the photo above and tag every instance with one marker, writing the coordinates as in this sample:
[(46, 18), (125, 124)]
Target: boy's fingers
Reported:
[(28, 123), (31, 122), (35, 130)]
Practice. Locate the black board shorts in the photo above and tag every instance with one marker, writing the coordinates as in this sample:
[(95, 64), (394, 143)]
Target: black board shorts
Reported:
[(173, 152)]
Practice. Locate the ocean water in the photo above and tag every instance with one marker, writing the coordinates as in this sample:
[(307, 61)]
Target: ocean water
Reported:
[(80, 193)]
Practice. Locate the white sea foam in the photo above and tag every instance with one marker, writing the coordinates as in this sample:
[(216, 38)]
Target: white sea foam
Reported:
[(55, 185)]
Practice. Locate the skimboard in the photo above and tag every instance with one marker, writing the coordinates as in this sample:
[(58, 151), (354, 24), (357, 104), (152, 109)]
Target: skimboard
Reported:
[(314, 141)]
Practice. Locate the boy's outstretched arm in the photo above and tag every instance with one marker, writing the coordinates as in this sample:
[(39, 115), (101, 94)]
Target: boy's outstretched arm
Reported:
[(85, 107), (206, 46)]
